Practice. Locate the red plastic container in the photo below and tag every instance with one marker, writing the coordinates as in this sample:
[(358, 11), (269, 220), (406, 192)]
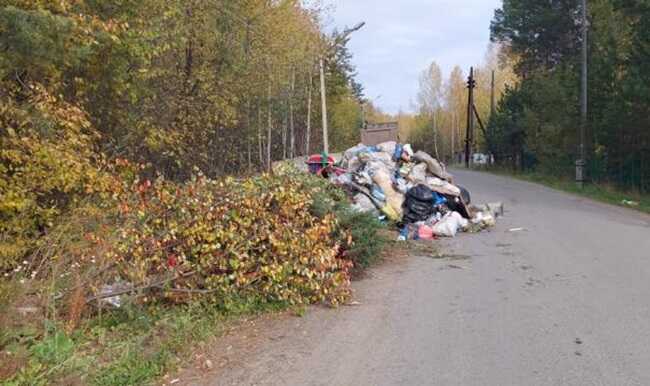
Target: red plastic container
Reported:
[(317, 163)]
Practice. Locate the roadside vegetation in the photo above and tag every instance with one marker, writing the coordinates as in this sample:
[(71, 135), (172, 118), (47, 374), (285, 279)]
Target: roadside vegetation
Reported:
[(534, 127), (601, 192), (534, 130), (536, 124), (184, 259), (134, 215)]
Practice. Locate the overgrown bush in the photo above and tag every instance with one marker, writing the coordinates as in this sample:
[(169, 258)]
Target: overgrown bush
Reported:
[(285, 238), (231, 236), (365, 241), (47, 166)]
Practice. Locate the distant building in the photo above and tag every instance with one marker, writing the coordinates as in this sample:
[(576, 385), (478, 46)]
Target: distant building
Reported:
[(376, 133)]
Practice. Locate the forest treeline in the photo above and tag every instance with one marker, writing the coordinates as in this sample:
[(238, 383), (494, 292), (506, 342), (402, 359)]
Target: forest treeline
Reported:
[(536, 57), (179, 84), (439, 121), (140, 200), (537, 122), (223, 87)]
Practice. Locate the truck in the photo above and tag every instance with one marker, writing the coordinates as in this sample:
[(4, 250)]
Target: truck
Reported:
[(376, 133)]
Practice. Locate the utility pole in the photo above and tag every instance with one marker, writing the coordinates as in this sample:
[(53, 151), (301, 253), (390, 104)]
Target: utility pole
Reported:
[(309, 94), (469, 135), (493, 109), (339, 39), (453, 134), (268, 127), (582, 161), (323, 98), (435, 134)]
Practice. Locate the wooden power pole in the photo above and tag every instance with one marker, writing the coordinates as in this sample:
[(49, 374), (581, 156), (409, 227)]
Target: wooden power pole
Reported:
[(323, 98), (469, 135), (329, 50), (581, 162)]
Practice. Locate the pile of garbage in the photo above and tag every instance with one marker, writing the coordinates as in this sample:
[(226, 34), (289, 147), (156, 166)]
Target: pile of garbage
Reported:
[(412, 189)]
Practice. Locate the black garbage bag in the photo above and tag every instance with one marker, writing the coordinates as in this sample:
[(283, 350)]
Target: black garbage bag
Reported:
[(459, 204), (421, 203), (420, 193)]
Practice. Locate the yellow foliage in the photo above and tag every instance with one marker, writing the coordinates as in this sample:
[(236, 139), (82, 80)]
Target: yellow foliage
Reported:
[(233, 237), (47, 163)]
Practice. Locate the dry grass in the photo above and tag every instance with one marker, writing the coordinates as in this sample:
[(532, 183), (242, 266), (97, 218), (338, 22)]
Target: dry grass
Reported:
[(76, 306)]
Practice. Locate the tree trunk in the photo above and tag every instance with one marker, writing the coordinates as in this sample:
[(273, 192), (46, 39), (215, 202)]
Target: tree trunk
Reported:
[(259, 133), (323, 98), (268, 129), (284, 135), (309, 100), (453, 136), (249, 132), (435, 136), (250, 156), (189, 48)]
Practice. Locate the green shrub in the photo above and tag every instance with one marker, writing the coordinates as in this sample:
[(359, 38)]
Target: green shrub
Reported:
[(54, 349), (367, 241), (361, 230), (251, 236)]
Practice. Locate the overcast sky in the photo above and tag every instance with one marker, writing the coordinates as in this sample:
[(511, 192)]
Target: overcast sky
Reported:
[(402, 37)]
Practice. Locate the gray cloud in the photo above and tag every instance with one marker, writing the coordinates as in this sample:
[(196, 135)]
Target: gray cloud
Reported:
[(402, 37)]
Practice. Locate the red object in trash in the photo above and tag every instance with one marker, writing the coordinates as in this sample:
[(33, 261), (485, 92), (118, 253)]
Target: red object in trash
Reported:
[(425, 232), (317, 163)]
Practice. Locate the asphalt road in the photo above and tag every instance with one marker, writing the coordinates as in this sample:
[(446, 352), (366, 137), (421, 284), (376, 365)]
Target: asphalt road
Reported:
[(566, 301)]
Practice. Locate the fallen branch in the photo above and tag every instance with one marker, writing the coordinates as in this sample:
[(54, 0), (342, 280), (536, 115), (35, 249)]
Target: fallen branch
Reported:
[(157, 284), (187, 290)]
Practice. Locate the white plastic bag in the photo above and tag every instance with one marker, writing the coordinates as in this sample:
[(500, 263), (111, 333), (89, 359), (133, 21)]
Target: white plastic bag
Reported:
[(449, 225), (354, 151), (353, 164), (363, 204), (484, 219), (363, 178), (401, 185), (343, 179), (374, 157), (387, 147)]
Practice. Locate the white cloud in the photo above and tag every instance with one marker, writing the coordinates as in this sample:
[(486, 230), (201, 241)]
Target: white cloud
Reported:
[(402, 37)]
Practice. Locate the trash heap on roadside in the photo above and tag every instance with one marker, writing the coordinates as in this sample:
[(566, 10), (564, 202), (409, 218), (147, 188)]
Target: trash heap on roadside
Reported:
[(409, 188)]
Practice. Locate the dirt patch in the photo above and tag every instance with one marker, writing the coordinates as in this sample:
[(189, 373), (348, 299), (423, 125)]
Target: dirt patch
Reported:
[(10, 363), (422, 248), (241, 340)]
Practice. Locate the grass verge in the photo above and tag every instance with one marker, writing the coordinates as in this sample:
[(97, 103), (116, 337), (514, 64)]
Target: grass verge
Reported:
[(599, 192), (127, 346)]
